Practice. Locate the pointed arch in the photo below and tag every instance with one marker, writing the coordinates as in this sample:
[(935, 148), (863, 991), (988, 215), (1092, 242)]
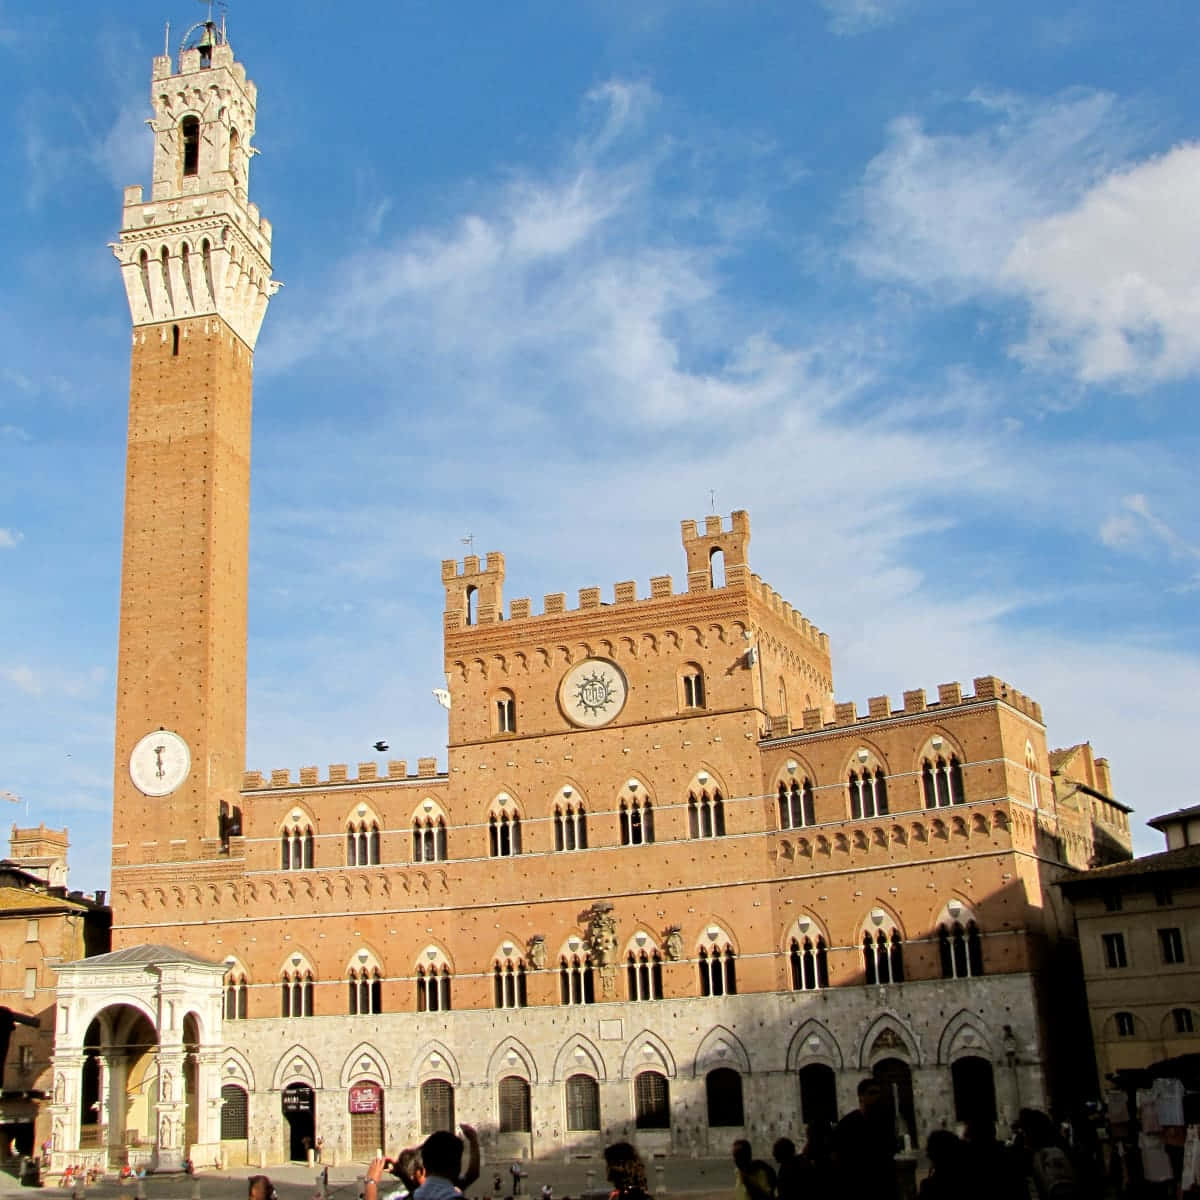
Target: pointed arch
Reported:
[(720, 1047), (814, 1042), (433, 1060), (362, 1061), (236, 1068), (647, 1051), (578, 1054), (888, 1037), (296, 1065), (964, 1035), (512, 1057)]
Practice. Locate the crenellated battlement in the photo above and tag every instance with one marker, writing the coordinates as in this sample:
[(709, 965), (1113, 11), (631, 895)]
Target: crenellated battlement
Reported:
[(339, 774), (879, 708), (468, 583)]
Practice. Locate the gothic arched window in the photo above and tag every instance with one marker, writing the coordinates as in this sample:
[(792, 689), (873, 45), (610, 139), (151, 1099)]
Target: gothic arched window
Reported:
[(796, 804)]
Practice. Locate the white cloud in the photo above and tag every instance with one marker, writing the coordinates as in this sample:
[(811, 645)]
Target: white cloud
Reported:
[(851, 17), (1115, 281), (23, 679), (10, 538)]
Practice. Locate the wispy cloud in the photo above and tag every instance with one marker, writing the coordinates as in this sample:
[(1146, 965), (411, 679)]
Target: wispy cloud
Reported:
[(10, 538), (850, 17)]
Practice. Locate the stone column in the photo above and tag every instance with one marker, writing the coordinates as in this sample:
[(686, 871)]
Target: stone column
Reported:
[(206, 1150), (67, 1077), (114, 1073)]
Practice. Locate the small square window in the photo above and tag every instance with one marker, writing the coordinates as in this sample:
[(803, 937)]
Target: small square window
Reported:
[(1114, 950), (1171, 943), (30, 982), (31, 930)]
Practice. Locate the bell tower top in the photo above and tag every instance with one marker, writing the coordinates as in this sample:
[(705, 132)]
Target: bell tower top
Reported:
[(199, 246)]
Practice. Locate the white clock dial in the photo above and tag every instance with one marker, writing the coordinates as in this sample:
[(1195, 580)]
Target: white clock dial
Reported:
[(592, 692), (159, 763)]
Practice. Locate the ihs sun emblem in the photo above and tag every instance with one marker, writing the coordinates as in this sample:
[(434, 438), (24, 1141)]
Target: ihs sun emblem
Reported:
[(595, 692)]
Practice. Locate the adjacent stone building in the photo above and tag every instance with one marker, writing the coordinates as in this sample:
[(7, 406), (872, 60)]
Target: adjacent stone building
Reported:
[(667, 887)]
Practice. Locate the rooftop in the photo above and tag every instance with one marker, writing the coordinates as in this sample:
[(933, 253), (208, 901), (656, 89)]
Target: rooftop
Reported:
[(1180, 814), (1186, 859)]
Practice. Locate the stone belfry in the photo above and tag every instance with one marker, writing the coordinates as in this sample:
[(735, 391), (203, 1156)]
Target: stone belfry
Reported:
[(195, 257)]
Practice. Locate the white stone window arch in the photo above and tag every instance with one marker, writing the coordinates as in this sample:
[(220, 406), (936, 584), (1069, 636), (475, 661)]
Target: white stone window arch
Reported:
[(795, 791), (236, 989), (433, 980), (808, 955), (716, 957), (883, 947), (867, 784), (504, 827), (570, 820), (706, 806), (576, 976), (635, 814), (296, 840), (429, 842), (941, 773), (508, 976), (297, 984), (363, 841), (643, 967), (504, 711), (692, 691), (364, 983)]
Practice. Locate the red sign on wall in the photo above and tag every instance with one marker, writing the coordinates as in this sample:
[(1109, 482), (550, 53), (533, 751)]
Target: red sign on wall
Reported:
[(365, 1098)]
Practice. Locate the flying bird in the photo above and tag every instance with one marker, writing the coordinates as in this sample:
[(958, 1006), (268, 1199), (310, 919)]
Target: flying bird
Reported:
[(381, 746)]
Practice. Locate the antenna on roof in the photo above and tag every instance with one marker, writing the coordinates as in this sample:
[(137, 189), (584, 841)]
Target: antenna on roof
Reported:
[(167, 40), (468, 541), (712, 499)]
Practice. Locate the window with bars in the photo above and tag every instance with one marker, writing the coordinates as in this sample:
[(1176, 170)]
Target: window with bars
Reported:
[(583, 1103), (706, 814), (868, 793), (362, 844), (809, 963), (883, 957), (296, 848), (570, 827), (515, 1107), (723, 1093), (433, 989), (942, 782), (235, 998), (365, 987), (796, 805), (637, 823), (576, 980), (429, 839), (718, 971), (651, 1100), (508, 982), (960, 949), (504, 835), (297, 994), (437, 1105), (235, 1110), (643, 972)]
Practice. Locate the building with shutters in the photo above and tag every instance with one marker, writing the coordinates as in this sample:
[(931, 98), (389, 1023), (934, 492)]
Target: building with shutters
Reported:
[(667, 887)]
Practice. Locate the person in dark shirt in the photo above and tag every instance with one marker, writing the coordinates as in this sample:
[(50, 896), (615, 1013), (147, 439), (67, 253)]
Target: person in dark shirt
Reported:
[(864, 1148), (789, 1177)]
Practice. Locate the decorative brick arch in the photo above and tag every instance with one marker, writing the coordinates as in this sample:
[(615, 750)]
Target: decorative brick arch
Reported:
[(721, 1047), (888, 1037), (236, 1068), (422, 1067), (376, 1065), (964, 1035), (297, 1065), (568, 1061), (647, 1051), (800, 1053), (499, 1062)]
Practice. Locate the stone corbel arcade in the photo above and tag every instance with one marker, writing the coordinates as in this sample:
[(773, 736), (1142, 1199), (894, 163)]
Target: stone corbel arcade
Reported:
[(136, 1068)]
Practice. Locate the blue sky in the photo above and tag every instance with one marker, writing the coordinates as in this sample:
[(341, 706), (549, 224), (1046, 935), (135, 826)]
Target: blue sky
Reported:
[(915, 283)]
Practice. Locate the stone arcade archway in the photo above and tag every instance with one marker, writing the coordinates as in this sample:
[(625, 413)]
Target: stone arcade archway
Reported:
[(136, 1060)]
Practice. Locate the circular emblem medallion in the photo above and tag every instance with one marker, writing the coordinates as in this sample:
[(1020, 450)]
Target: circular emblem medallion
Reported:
[(592, 692), (160, 762)]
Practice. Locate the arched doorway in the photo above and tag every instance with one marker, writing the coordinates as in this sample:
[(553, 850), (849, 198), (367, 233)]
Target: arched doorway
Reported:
[(818, 1094), (300, 1119), (896, 1077), (119, 1085), (974, 1089)]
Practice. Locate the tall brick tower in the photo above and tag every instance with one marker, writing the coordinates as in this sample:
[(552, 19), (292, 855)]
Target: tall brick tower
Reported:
[(196, 264)]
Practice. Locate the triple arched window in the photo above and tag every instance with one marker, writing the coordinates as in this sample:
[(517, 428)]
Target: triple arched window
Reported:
[(433, 987), (643, 971), (796, 804), (706, 814), (235, 995), (868, 793), (637, 822), (570, 827), (504, 834), (808, 961), (576, 980), (362, 844), (718, 969), (365, 988), (942, 782), (960, 948), (883, 955), (296, 847), (508, 983), (297, 993), (429, 838)]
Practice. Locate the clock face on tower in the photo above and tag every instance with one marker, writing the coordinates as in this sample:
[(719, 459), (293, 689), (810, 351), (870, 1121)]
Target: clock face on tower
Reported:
[(159, 763)]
